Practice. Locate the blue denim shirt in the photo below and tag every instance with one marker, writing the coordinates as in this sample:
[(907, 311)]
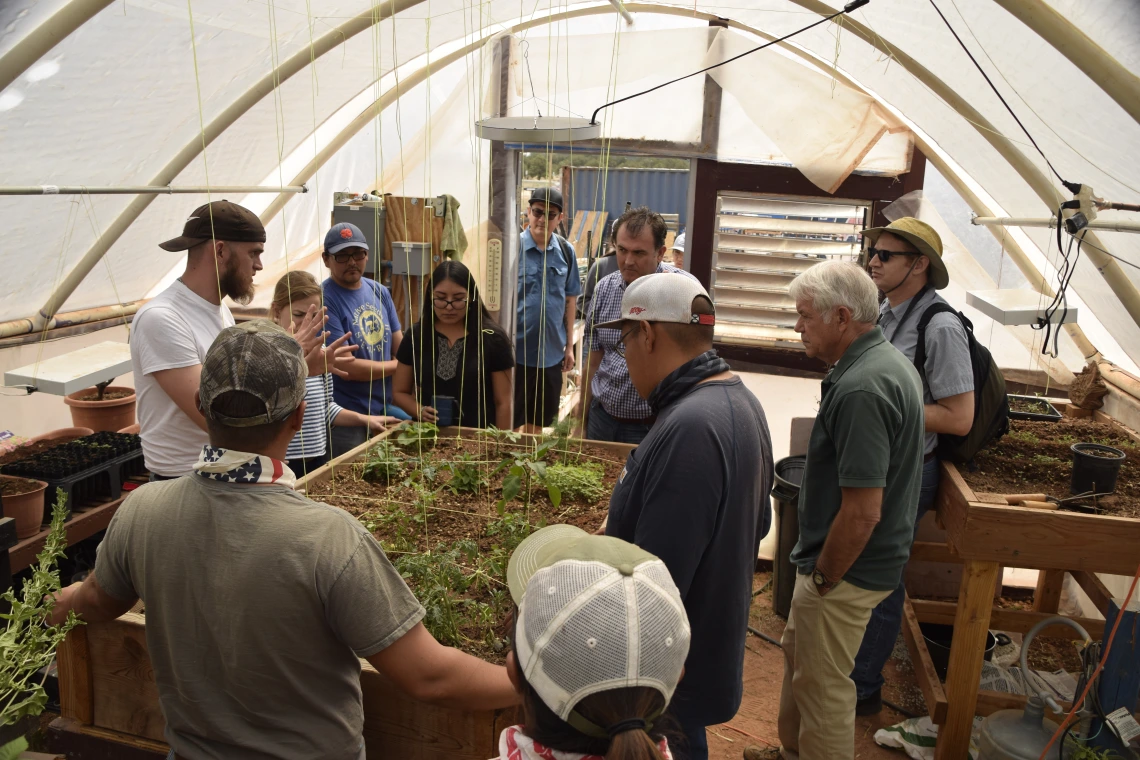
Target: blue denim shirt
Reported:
[(546, 280)]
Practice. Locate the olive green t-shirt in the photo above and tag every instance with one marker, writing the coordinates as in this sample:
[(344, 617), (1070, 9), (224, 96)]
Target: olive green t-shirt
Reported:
[(868, 434), (259, 603)]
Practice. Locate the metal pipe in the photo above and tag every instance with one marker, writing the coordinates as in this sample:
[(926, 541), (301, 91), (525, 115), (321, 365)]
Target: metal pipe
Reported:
[(1118, 280), (620, 8), (1102, 69), (1016, 221), (15, 327), (46, 36), (144, 189)]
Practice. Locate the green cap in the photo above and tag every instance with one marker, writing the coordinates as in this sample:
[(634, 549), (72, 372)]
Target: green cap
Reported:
[(259, 358)]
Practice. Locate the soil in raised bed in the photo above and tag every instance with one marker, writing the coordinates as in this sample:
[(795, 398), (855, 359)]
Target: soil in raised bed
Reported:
[(410, 528), (30, 449), (1032, 406), (1035, 457), (17, 487)]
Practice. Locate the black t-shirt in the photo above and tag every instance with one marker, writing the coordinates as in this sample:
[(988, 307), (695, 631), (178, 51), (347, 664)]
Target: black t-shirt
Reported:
[(462, 371), (695, 493)]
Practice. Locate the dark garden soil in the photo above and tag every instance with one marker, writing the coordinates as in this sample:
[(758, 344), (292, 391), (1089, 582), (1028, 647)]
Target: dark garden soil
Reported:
[(453, 548), (1032, 406), (17, 486), (107, 396), (30, 449), (1035, 457)]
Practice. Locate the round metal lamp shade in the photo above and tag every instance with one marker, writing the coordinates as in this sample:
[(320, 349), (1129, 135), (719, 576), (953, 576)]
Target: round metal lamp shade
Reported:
[(537, 129)]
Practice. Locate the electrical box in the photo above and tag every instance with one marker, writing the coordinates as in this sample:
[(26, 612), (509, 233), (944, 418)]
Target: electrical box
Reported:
[(1017, 307), (367, 213), (411, 258)]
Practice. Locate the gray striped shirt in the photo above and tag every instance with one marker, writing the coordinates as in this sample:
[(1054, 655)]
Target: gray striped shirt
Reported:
[(320, 411)]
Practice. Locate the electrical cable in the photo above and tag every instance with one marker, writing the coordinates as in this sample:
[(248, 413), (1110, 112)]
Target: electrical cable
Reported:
[(849, 8), (1073, 187), (1113, 256)]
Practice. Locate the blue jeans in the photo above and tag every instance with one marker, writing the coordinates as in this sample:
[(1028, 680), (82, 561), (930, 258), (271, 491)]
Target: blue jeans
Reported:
[(600, 426), (886, 619), (698, 744)]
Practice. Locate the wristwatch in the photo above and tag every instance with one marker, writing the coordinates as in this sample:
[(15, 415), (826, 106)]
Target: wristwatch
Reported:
[(822, 584)]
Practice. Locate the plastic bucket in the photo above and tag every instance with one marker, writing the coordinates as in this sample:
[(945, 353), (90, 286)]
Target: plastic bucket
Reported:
[(1092, 473), (785, 501), (938, 639)]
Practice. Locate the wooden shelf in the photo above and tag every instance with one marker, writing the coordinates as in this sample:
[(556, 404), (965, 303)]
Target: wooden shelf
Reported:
[(80, 525)]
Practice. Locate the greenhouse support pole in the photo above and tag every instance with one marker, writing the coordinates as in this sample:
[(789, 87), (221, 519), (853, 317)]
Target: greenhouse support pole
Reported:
[(1116, 278), (1105, 71), (502, 213), (46, 36)]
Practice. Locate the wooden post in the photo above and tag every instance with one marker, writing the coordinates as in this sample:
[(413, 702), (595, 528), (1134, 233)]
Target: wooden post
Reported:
[(971, 624), (76, 686), (1120, 679), (1047, 597)]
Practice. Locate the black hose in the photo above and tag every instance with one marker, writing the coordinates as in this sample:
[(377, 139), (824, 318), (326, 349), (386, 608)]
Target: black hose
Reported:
[(898, 709), (765, 636)]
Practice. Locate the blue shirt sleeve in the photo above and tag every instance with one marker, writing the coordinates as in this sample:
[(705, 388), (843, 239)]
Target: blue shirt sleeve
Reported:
[(388, 306), (338, 323)]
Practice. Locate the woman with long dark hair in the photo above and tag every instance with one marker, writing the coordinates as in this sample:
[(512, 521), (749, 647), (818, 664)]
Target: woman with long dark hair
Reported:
[(455, 355)]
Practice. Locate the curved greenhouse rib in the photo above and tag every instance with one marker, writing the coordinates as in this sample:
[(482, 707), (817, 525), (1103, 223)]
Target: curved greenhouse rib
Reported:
[(1108, 267), (263, 87), (1106, 72), (47, 35)]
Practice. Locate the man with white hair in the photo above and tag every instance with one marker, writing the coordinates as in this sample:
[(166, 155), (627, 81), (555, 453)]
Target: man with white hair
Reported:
[(857, 506)]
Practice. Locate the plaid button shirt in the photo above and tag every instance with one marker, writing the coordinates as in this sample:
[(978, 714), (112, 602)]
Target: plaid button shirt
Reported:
[(611, 385)]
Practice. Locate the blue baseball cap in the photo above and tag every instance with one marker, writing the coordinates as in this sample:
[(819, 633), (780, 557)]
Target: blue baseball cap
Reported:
[(344, 235)]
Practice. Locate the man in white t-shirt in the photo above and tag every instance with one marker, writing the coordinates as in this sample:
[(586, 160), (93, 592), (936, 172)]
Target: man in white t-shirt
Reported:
[(173, 331)]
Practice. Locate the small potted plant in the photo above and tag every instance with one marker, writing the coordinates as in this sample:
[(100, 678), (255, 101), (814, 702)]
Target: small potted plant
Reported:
[(23, 502), (102, 407), (1095, 468), (28, 643)]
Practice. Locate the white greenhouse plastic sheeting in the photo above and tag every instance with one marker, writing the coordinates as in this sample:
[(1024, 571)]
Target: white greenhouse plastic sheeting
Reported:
[(117, 100)]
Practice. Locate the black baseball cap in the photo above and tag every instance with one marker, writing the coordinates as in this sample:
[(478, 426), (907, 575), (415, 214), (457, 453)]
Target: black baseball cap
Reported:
[(549, 196), (220, 220)]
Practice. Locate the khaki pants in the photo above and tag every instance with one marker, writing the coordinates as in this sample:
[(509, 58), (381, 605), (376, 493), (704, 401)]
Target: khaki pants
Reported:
[(817, 702)]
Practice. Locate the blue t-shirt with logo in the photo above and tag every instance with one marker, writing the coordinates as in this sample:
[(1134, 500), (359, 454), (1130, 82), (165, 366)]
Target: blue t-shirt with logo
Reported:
[(370, 315)]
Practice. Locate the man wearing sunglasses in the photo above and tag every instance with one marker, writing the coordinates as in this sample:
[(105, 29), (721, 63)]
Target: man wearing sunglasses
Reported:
[(549, 286), (365, 308), (905, 261)]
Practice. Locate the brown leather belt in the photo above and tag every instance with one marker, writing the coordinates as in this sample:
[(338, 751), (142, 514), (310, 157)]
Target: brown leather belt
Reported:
[(643, 421)]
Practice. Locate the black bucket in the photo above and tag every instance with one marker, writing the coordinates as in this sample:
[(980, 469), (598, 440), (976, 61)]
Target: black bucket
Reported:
[(938, 638), (1092, 473), (786, 497)]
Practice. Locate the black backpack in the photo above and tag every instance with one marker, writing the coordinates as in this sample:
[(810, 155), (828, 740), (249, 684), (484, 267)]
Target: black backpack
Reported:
[(991, 405)]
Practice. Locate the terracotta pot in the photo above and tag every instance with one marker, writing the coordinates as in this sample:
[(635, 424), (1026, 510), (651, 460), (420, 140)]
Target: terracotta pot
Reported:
[(109, 414), (134, 429), (51, 435), (27, 508)]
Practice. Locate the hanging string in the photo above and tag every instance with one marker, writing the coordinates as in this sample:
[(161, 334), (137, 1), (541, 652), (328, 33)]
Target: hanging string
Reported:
[(202, 133)]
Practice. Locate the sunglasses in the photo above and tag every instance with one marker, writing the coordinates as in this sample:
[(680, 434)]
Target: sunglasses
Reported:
[(538, 213), (620, 347), (344, 258), (885, 256)]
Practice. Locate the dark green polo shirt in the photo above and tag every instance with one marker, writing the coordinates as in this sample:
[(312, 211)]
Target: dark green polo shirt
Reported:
[(868, 434)]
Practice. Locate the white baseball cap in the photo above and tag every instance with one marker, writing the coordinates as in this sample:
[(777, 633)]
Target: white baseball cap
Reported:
[(595, 613), (662, 297), (679, 243)]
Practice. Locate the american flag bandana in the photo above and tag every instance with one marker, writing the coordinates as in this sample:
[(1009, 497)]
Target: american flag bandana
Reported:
[(240, 467)]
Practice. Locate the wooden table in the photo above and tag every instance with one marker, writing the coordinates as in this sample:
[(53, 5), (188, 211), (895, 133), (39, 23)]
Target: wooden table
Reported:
[(984, 538), (80, 525)]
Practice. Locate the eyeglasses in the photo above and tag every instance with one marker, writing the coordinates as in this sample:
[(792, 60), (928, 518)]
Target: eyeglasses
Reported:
[(343, 258), (620, 347), (885, 256), (443, 303), (538, 213)]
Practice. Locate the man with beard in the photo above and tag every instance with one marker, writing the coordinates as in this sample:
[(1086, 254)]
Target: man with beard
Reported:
[(173, 331)]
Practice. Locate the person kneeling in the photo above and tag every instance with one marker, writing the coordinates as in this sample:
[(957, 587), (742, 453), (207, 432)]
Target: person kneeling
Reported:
[(585, 602)]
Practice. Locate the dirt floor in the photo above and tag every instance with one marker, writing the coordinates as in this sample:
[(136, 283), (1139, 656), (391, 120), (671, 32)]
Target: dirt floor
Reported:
[(755, 722), (1034, 457)]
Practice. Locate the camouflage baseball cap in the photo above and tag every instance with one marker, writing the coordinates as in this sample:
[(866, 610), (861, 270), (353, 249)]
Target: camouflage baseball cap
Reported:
[(259, 358)]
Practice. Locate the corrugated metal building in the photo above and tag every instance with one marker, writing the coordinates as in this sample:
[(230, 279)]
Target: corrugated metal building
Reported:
[(592, 189)]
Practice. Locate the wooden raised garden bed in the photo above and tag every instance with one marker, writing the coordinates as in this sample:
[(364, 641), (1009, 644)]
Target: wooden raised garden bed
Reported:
[(407, 500), (985, 533)]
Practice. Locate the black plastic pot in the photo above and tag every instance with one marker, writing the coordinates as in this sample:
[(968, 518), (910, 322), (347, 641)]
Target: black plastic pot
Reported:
[(1052, 415), (1092, 473), (938, 639), (786, 498)]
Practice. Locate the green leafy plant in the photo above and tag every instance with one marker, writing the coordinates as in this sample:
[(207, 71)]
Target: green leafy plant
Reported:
[(466, 475), (28, 643), (521, 466), (500, 436), (1077, 749), (576, 480), (418, 435), (383, 463)]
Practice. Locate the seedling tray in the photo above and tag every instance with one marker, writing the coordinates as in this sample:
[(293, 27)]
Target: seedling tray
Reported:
[(90, 470), (1051, 416)]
